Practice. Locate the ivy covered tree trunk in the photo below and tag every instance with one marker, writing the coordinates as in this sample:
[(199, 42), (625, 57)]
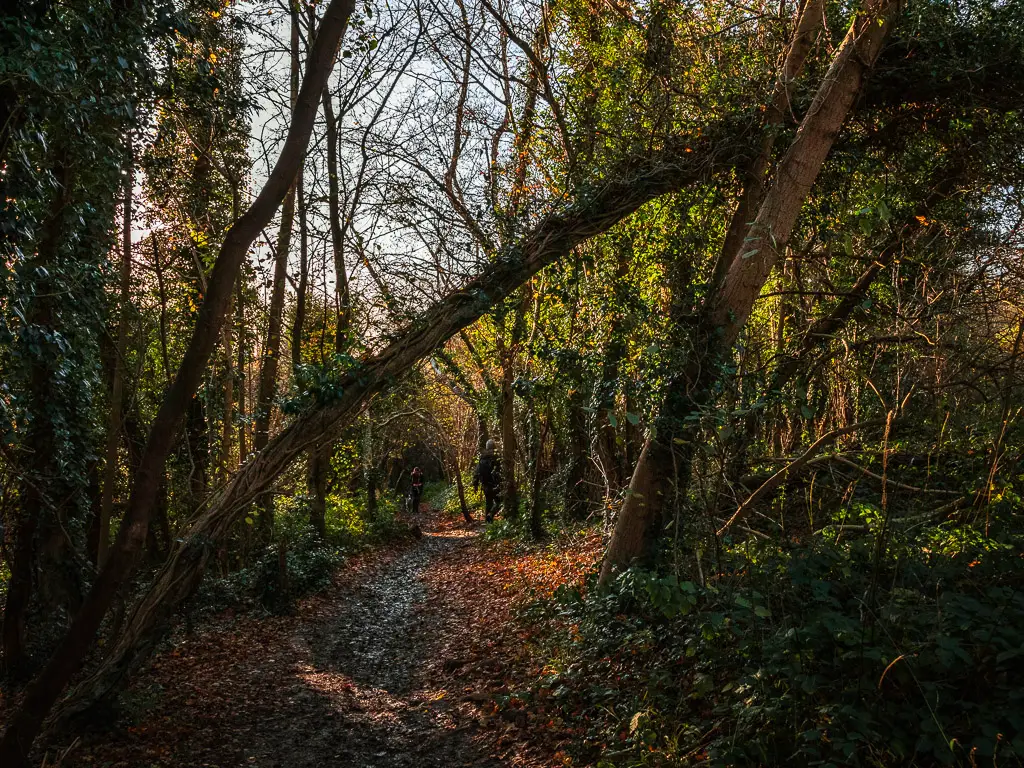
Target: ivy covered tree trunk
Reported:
[(578, 496), (606, 438), (510, 488), (317, 467), (36, 567), (728, 309)]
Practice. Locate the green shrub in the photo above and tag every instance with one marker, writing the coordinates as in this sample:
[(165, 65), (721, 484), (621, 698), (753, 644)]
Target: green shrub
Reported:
[(310, 562), (808, 656)]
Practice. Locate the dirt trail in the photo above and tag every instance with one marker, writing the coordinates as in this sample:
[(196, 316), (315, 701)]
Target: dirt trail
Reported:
[(413, 658), (368, 699), (363, 677)]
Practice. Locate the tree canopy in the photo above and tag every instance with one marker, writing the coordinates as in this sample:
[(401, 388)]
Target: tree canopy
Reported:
[(736, 286)]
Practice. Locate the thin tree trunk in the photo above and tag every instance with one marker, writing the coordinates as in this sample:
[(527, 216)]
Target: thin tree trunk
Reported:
[(510, 490), (272, 349), (117, 382), (577, 492), (316, 480), (198, 447), (243, 379), (162, 293), (303, 285), (606, 435), (540, 430), (460, 487), (341, 289), (224, 464)]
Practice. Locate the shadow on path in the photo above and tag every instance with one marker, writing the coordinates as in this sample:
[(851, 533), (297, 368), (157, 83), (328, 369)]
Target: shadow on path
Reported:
[(361, 697)]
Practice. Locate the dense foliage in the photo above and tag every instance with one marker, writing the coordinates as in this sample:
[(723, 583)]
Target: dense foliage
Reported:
[(738, 285)]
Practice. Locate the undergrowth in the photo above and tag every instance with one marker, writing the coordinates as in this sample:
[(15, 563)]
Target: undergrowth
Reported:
[(309, 561), (826, 653)]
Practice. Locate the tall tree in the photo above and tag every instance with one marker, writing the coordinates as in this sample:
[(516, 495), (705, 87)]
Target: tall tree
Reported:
[(727, 309), (26, 722)]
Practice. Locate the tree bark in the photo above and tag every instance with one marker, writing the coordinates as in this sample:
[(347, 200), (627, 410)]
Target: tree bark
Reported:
[(26, 722), (303, 284), (341, 289), (510, 490), (227, 420), (117, 379), (577, 492), (460, 487), (606, 436), (538, 440), (317, 468), (808, 24), (243, 442)]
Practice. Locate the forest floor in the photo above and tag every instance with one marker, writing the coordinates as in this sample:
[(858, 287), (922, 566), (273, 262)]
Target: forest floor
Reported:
[(407, 660)]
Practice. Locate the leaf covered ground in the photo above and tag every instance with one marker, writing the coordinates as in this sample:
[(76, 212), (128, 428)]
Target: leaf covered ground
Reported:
[(408, 659)]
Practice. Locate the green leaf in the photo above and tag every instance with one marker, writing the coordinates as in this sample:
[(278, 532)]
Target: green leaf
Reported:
[(632, 418), (612, 420)]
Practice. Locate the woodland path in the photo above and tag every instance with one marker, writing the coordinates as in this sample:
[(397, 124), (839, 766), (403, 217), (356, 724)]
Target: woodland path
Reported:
[(369, 698), (394, 666)]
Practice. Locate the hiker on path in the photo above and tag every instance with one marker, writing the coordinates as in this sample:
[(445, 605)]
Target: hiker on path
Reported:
[(416, 489), (488, 474)]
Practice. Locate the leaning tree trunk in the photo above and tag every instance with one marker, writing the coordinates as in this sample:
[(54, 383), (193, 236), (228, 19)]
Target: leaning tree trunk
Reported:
[(729, 308), (808, 25), (553, 237), (26, 722)]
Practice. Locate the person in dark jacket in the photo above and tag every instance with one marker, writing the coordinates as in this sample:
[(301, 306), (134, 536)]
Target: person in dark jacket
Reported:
[(416, 490), (488, 475)]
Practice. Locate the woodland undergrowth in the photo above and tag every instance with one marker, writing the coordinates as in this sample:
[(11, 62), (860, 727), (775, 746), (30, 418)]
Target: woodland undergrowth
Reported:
[(850, 647)]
